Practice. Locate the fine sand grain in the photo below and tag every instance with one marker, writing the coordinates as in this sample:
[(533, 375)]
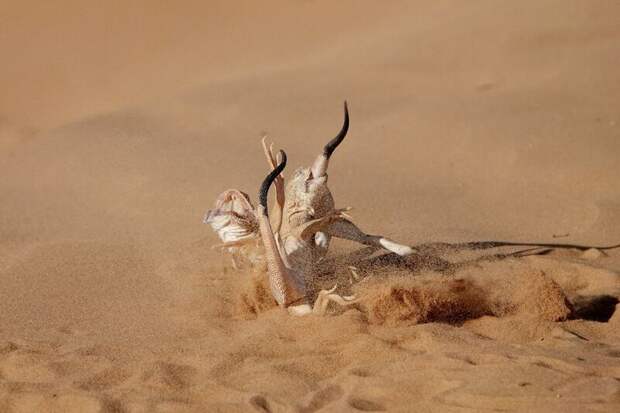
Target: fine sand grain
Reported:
[(120, 124)]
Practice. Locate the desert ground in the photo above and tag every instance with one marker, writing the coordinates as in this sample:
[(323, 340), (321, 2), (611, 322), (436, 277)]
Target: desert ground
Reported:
[(120, 123)]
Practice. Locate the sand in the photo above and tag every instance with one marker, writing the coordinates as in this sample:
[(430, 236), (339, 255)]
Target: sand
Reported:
[(120, 124)]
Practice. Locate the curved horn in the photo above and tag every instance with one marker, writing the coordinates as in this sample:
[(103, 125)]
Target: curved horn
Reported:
[(264, 188), (333, 144), (319, 168)]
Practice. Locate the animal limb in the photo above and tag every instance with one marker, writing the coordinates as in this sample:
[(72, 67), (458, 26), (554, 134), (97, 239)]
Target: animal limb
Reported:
[(308, 229), (287, 286), (326, 296), (343, 228), (278, 183)]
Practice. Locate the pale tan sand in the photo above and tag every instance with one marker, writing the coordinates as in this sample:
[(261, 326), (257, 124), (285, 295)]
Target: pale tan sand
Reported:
[(119, 125)]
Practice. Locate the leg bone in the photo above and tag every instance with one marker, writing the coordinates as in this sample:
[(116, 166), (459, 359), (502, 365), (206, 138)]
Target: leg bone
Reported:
[(327, 296), (343, 228)]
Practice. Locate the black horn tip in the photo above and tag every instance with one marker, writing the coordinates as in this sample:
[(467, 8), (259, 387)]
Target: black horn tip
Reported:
[(264, 188), (333, 144)]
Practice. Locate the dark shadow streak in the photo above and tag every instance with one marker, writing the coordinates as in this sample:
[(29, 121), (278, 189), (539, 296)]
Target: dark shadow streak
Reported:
[(364, 263), (444, 247), (595, 308)]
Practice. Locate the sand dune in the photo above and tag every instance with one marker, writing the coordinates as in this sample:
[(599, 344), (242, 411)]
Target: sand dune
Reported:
[(120, 124)]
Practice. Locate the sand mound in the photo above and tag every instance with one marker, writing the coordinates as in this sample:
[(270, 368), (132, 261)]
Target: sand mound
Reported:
[(507, 289), (537, 295), (411, 301), (498, 289)]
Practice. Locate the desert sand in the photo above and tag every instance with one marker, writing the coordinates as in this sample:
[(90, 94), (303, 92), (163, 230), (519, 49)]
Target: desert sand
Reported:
[(120, 124)]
